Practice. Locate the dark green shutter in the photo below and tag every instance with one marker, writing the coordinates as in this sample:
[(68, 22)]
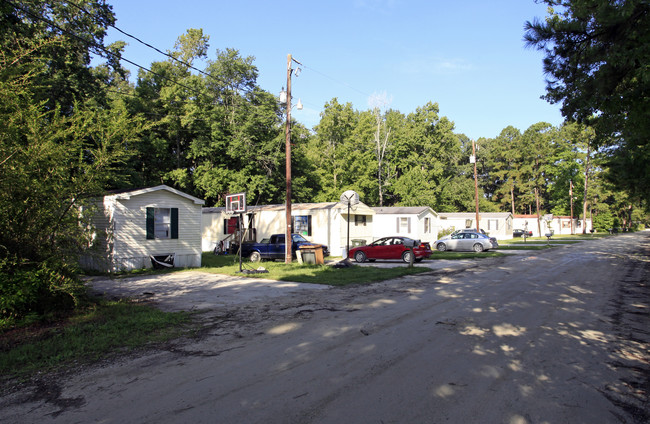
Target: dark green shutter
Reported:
[(150, 224), (309, 225), (174, 223)]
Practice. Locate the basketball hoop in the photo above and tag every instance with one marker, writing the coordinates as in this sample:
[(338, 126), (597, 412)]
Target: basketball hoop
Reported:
[(236, 203)]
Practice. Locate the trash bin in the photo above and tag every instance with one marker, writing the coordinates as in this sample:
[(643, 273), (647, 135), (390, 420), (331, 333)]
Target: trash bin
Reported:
[(312, 254)]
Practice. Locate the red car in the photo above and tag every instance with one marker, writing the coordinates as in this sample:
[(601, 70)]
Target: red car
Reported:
[(390, 248)]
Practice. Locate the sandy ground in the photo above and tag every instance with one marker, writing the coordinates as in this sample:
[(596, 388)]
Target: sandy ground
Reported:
[(552, 336)]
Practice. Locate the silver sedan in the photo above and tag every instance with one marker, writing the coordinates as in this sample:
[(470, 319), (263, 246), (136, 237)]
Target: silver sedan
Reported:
[(466, 241)]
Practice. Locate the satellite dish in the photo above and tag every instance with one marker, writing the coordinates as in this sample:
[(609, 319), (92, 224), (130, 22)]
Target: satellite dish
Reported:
[(350, 197)]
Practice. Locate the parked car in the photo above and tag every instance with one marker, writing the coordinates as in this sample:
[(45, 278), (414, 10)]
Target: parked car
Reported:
[(467, 241), (470, 230), (390, 248), (274, 247), (520, 233)]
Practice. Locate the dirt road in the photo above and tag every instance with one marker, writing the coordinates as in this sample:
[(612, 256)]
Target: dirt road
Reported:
[(557, 336)]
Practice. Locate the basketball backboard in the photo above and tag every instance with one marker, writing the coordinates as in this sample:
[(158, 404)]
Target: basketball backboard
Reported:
[(236, 203)]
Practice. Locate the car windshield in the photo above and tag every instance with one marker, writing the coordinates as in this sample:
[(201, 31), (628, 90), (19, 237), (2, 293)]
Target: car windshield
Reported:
[(299, 238)]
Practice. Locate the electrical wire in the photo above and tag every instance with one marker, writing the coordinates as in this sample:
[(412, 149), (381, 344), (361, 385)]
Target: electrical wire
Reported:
[(96, 46), (188, 65)]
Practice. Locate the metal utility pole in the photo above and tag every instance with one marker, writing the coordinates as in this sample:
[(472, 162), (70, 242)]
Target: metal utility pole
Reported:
[(288, 242), (475, 184)]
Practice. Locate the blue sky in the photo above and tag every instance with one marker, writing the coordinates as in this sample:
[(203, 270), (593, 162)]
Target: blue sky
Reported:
[(466, 55)]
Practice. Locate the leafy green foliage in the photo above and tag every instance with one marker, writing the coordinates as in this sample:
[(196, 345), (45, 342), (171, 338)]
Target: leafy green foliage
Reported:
[(596, 58), (37, 289), (55, 154)]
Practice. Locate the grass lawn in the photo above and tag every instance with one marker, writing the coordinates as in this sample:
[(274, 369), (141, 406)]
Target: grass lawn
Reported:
[(463, 255), (317, 274), (523, 246), (84, 336)]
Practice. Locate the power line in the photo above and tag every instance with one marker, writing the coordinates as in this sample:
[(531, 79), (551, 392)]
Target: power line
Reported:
[(98, 47), (188, 65), (337, 81)]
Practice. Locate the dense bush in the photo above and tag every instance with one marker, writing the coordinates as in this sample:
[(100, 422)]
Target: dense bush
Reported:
[(604, 221), (27, 289)]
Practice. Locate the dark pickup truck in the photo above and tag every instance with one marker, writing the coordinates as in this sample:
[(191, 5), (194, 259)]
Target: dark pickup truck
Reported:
[(273, 248)]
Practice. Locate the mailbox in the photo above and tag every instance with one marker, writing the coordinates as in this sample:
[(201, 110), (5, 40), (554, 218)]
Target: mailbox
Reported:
[(411, 243)]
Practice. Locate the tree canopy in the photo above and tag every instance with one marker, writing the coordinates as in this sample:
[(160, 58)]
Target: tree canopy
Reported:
[(597, 54), (69, 131)]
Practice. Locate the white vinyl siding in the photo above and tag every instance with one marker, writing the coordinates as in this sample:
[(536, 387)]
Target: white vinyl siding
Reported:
[(131, 247)]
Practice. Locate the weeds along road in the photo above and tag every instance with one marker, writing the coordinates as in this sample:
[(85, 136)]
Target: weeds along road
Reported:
[(554, 336)]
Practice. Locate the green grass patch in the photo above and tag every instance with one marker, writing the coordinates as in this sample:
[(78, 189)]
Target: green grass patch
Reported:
[(300, 273), (86, 335), (524, 246), (463, 255)]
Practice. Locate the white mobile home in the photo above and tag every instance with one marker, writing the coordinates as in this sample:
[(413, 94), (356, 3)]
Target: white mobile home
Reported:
[(132, 226), (416, 222), (496, 224), (558, 224), (325, 223)]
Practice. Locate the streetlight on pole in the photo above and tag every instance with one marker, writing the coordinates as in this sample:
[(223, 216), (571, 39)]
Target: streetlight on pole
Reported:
[(288, 239)]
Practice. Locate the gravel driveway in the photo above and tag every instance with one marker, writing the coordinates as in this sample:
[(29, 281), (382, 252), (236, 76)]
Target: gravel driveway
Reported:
[(555, 336)]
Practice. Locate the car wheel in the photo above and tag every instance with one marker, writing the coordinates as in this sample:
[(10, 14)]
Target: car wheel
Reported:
[(255, 257), (406, 256), (360, 257), (478, 247), (441, 247)]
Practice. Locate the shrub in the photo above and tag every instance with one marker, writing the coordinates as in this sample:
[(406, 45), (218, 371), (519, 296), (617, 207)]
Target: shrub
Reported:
[(37, 288)]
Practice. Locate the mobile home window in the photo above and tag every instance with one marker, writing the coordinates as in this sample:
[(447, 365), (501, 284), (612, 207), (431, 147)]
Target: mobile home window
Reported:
[(493, 224), (427, 225), (162, 223), (403, 225), (302, 224), (359, 220)]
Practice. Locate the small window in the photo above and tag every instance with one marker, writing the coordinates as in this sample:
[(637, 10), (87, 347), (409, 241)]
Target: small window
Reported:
[(302, 225), (162, 220), (359, 220), (162, 223), (403, 225), (427, 225), (493, 224), (468, 223)]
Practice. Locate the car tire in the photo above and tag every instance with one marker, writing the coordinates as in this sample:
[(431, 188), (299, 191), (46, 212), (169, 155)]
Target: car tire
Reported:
[(359, 256), (478, 247), (255, 257), (441, 247), (406, 256)]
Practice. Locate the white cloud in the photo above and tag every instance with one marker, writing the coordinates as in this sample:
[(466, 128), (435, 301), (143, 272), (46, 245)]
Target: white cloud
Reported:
[(435, 66)]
